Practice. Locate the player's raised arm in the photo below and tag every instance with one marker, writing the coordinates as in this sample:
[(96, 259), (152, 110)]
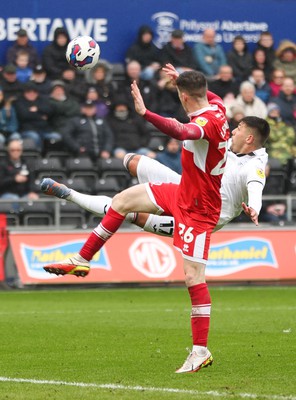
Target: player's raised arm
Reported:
[(171, 72)]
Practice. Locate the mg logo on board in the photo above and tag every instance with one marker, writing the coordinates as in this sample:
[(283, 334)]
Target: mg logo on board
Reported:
[(152, 257)]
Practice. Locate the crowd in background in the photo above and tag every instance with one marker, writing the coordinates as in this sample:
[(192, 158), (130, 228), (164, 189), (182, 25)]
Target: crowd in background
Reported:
[(45, 100)]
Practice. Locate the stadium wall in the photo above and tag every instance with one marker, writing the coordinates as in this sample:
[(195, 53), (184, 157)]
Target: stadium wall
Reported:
[(114, 24), (254, 255)]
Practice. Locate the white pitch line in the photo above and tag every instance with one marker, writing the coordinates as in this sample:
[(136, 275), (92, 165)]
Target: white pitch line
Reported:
[(147, 389)]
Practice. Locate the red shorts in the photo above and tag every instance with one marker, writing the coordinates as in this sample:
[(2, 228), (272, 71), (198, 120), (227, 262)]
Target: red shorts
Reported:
[(192, 231)]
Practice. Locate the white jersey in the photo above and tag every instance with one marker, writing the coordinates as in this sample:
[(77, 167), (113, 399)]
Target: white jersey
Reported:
[(240, 171)]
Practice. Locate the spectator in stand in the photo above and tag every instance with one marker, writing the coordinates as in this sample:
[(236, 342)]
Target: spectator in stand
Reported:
[(282, 138), (171, 155), (286, 58), (145, 52), (209, 55), (240, 59), (8, 120), (148, 88), (12, 88), (178, 53), (262, 88), (22, 43), (41, 81), (247, 99), (260, 62), (237, 113), (266, 43), (63, 106), (16, 177), (33, 112), (276, 82), (75, 84), (286, 101), (53, 56), (168, 99), (129, 130), (101, 108), (225, 83), (100, 77), (23, 71), (88, 135)]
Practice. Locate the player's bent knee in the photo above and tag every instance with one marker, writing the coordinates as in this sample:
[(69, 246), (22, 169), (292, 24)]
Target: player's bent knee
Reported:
[(130, 162)]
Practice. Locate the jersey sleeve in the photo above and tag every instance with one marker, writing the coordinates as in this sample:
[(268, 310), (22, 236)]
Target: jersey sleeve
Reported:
[(256, 173), (174, 128)]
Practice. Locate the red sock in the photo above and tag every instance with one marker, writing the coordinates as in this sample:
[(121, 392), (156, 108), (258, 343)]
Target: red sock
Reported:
[(108, 226), (200, 313)]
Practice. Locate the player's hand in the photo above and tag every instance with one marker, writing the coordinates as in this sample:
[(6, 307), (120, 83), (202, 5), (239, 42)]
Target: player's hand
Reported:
[(138, 99), (171, 71), (251, 213)]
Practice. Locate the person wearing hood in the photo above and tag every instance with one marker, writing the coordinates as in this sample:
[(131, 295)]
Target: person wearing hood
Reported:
[(286, 58), (100, 78), (53, 56), (145, 52), (130, 131)]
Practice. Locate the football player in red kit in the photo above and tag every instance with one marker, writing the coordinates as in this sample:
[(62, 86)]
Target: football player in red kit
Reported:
[(195, 203)]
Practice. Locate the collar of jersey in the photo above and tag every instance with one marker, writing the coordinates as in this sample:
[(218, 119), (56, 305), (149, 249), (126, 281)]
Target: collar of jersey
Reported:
[(212, 107)]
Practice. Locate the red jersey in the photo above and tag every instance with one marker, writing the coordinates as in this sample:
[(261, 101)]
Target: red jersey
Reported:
[(203, 156)]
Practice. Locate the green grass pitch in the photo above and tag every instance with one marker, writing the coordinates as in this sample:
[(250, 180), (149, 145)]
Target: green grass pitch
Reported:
[(127, 343)]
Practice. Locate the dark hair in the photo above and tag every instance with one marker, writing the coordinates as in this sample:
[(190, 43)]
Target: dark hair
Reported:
[(260, 127), (193, 83)]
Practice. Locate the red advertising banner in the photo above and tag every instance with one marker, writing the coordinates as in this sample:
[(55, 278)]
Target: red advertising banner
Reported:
[(143, 257)]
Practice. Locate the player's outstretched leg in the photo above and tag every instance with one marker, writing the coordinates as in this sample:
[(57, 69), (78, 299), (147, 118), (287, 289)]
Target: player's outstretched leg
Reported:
[(52, 188), (195, 361)]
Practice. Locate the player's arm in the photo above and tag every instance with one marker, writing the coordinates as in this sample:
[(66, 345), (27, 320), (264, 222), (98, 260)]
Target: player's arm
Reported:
[(169, 126), (253, 208)]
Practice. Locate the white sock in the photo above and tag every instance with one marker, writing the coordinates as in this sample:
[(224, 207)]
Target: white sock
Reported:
[(97, 205), (200, 350), (160, 224)]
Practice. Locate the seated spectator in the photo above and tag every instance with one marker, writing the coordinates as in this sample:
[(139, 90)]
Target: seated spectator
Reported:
[(40, 79), (53, 56), (22, 43), (262, 88), (225, 83), (16, 176), (23, 71), (88, 135), (101, 108), (8, 120), (100, 77), (171, 155), (147, 88), (33, 113), (260, 62), (145, 52), (130, 132), (276, 82), (248, 100), (168, 99), (281, 143), (266, 43), (286, 101), (240, 59), (237, 113), (178, 52), (63, 106), (11, 87), (286, 58), (75, 84), (209, 55)]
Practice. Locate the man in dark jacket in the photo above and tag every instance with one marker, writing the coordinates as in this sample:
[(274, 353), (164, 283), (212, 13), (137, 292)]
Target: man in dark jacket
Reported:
[(22, 43), (33, 112), (54, 55), (88, 135)]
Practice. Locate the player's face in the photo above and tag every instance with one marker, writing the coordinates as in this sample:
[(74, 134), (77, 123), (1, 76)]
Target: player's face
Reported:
[(239, 137)]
